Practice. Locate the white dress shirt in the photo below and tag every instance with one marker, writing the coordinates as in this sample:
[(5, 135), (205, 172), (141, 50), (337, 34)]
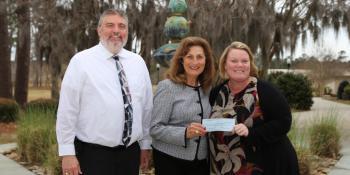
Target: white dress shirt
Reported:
[(91, 101)]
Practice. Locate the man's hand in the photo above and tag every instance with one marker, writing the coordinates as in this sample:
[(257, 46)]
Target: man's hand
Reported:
[(144, 159), (70, 165)]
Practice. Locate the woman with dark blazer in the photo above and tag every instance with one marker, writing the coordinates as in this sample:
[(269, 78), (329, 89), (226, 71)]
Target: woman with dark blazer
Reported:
[(258, 143)]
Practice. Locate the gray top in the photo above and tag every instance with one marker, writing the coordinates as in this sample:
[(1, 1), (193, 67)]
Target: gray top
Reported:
[(175, 107)]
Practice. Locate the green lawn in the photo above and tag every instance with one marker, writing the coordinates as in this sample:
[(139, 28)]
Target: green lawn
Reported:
[(8, 131), (36, 93)]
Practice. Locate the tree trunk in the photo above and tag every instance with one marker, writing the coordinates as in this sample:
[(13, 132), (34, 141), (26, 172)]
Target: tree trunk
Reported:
[(56, 69), (265, 64), (266, 58), (5, 54), (22, 52), (55, 88), (145, 52)]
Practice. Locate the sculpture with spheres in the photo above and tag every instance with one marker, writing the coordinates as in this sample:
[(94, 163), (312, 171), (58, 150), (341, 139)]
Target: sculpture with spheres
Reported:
[(176, 27)]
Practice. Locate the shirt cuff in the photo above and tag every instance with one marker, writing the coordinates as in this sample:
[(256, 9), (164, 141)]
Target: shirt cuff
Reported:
[(145, 144), (65, 150)]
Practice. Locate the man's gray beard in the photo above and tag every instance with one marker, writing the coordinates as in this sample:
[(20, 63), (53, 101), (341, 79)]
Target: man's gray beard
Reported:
[(112, 47)]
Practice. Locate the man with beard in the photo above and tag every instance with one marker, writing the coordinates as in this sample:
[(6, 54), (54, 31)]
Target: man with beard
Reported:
[(105, 105)]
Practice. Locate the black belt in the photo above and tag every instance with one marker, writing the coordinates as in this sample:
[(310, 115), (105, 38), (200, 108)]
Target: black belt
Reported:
[(78, 143)]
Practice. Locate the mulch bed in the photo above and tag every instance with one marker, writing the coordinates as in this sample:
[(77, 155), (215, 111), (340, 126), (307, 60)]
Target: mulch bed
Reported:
[(320, 166), (7, 132), (6, 128)]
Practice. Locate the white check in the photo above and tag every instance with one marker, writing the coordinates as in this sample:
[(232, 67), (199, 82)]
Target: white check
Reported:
[(219, 124)]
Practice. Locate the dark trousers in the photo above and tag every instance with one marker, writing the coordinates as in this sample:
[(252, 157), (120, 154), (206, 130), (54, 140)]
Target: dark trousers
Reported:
[(167, 165), (101, 160)]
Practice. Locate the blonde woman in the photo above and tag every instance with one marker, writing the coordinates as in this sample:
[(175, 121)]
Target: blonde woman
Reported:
[(258, 143)]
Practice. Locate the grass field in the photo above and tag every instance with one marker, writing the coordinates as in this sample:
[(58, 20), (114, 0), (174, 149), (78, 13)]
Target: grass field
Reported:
[(8, 130), (36, 93)]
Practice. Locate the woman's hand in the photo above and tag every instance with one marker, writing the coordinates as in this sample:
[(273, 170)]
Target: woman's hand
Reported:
[(195, 130), (241, 130)]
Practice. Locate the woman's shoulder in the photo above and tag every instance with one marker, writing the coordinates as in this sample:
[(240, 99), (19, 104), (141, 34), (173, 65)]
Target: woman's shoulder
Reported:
[(167, 82), (219, 86), (269, 94), (267, 88), (169, 85), (264, 84), (215, 91), (164, 88)]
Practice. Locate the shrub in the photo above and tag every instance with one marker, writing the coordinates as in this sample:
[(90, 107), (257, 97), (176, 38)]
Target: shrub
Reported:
[(346, 93), (42, 105), (8, 110), (53, 162), (272, 77), (36, 137), (341, 88), (297, 89), (298, 138), (304, 160), (325, 135)]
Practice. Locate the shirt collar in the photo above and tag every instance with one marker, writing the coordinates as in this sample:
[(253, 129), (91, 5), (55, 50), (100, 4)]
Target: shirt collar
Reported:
[(107, 54)]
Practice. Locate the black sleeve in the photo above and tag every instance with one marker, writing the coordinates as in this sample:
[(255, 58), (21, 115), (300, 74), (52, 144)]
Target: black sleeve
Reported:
[(276, 113), (214, 92)]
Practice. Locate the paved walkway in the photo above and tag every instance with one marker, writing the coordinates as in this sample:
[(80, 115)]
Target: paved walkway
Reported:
[(8, 166), (320, 106)]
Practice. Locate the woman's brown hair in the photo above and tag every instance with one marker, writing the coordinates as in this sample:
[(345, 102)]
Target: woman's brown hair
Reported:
[(176, 72)]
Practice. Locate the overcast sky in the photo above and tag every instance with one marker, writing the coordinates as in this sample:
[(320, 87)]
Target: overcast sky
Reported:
[(328, 42)]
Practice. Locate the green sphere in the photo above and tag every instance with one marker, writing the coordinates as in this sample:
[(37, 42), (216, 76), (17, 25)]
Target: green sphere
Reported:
[(177, 6), (176, 27)]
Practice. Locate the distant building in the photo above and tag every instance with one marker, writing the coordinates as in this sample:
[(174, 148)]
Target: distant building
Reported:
[(331, 83), (294, 71)]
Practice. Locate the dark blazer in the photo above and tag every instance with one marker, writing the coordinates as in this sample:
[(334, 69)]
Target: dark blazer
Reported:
[(279, 157)]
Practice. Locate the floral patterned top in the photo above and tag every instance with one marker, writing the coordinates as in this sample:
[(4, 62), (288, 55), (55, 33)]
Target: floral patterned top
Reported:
[(229, 153)]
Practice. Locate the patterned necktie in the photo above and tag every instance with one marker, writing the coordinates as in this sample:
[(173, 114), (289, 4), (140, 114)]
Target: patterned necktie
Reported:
[(127, 101)]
